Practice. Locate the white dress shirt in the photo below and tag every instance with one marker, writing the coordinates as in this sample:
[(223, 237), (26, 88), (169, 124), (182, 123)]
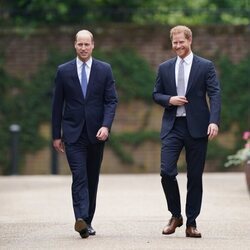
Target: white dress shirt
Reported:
[(79, 64), (187, 67)]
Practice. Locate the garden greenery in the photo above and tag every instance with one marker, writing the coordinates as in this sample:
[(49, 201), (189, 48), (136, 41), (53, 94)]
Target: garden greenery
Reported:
[(235, 86), (54, 13), (28, 103)]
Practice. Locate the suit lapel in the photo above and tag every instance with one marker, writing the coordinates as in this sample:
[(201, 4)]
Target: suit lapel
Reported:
[(193, 73), (172, 75), (75, 78), (91, 77)]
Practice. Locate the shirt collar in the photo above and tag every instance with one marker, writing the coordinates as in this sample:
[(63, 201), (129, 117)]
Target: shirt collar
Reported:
[(188, 59), (88, 63)]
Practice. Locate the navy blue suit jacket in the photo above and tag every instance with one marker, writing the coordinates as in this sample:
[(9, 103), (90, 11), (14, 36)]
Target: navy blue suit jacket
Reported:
[(71, 111), (202, 83)]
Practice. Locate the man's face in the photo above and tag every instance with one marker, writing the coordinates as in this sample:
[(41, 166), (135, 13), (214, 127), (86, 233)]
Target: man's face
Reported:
[(181, 45), (84, 46)]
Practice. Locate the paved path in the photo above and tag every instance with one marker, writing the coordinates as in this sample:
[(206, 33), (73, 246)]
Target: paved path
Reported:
[(36, 213)]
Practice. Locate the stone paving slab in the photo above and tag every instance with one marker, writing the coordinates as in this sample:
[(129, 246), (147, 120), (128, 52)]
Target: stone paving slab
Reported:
[(36, 213)]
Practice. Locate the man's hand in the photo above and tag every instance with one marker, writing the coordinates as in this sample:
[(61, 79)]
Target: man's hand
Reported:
[(178, 100), (58, 145), (102, 134), (212, 130)]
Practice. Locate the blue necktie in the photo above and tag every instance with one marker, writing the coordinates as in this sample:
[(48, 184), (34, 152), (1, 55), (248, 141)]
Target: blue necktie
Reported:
[(84, 80), (181, 87)]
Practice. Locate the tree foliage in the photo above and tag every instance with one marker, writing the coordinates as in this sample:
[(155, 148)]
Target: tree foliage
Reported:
[(195, 12), (66, 12)]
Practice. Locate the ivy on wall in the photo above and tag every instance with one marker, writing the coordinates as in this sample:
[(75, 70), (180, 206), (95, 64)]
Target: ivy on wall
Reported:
[(28, 103), (134, 77), (235, 86), (133, 139), (235, 113)]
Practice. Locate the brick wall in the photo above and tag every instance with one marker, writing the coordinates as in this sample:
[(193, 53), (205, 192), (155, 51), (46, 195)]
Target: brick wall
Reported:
[(24, 54)]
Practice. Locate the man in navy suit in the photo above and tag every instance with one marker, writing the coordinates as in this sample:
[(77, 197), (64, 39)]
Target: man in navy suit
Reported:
[(184, 85), (84, 105)]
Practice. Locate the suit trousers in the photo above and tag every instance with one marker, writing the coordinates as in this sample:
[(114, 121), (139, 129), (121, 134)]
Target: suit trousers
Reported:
[(195, 150), (84, 160)]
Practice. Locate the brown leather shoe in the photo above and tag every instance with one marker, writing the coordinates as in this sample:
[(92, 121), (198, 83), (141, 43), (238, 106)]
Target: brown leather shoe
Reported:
[(82, 228), (192, 232), (173, 223)]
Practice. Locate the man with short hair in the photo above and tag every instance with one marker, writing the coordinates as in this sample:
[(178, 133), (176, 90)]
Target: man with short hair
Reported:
[(181, 88), (84, 105)]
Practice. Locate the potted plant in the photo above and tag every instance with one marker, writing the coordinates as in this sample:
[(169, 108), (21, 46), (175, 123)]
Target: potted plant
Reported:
[(242, 157)]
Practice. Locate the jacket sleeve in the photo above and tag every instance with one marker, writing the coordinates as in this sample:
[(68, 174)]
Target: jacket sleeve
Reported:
[(110, 99), (159, 94), (57, 106), (214, 94)]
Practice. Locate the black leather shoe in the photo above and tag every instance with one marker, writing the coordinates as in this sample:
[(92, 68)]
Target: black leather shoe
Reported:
[(173, 223), (91, 230), (82, 228)]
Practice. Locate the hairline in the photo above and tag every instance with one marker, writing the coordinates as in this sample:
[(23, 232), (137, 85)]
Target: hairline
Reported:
[(181, 29), (84, 32)]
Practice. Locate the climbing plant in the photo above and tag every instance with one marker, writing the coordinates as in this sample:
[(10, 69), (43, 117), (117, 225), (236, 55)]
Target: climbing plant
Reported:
[(28, 102)]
